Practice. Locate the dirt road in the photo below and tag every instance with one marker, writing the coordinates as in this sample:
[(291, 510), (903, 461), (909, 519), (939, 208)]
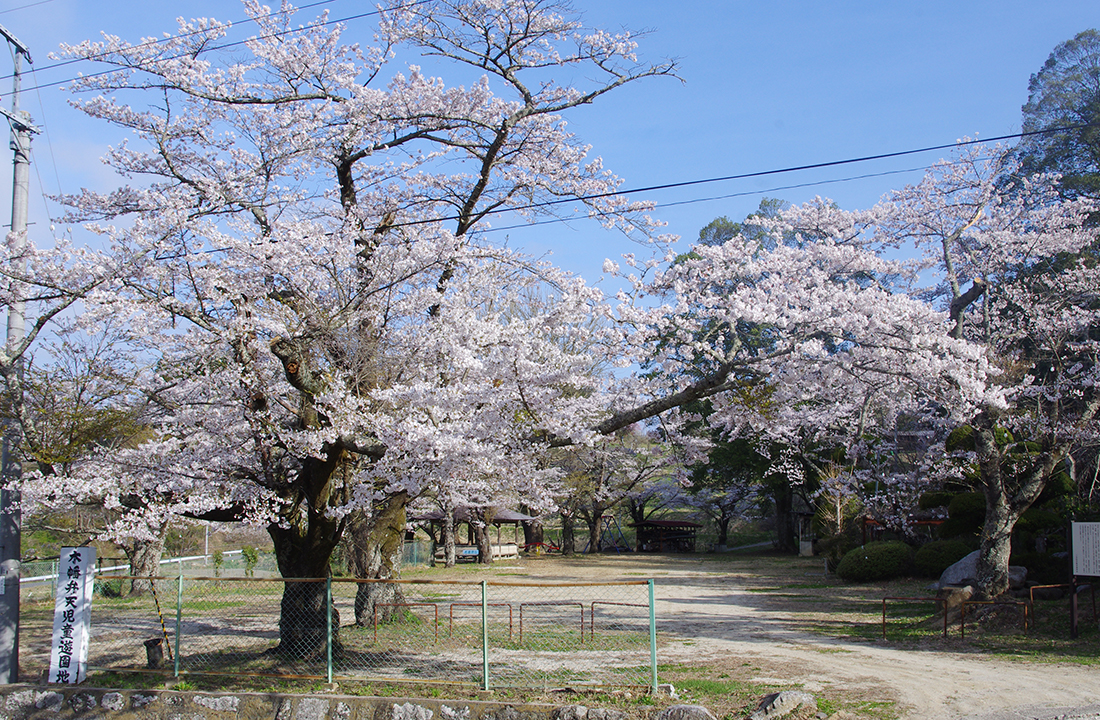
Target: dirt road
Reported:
[(716, 617)]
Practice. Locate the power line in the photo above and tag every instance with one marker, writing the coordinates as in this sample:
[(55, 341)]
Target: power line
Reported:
[(148, 43), (729, 196), (756, 174), (225, 46), (594, 196), (745, 193), (24, 7)]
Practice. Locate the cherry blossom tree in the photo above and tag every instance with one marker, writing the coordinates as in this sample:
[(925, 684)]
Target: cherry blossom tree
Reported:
[(80, 400), (301, 257), (603, 475), (850, 345), (305, 264), (726, 487), (1031, 306)]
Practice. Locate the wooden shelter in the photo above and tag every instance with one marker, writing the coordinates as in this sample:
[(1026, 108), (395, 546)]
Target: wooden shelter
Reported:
[(465, 517), (673, 536)]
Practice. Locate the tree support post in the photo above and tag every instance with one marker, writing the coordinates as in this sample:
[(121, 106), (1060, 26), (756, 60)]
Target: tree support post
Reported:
[(179, 622), (652, 641), (485, 635), (328, 627), (1073, 629)]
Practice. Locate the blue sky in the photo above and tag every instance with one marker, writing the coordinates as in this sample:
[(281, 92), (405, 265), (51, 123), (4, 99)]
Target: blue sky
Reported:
[(766, 85)]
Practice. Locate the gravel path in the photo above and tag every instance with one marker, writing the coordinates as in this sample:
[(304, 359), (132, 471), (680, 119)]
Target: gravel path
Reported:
[(712, 617)]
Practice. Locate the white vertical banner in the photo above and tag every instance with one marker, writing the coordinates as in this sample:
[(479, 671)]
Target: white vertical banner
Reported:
[(1086, 549), (72, 615)]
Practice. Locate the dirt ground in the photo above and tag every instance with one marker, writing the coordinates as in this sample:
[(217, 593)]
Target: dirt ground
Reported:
[(713, 615)]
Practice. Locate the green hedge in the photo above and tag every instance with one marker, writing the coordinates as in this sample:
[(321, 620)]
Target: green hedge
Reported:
[(965, 515), (935, 499), (876, 561)]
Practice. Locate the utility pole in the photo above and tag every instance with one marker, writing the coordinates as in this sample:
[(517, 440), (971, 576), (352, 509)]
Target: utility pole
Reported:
[(10, 500)]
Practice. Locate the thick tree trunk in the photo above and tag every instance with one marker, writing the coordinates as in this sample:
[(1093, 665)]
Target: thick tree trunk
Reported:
[(532, 533), (304, 541), (484, 543), (1009, 490), (383, 537), (785, 531), (568, 541), (144, 558), (532, 530), (303, 562), (595, 534), (995, 551)]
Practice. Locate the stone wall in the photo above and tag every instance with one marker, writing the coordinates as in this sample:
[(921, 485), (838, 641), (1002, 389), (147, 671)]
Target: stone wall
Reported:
[(26, 702)]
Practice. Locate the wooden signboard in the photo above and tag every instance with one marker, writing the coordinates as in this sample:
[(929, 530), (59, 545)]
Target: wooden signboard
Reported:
[(1086, 549)]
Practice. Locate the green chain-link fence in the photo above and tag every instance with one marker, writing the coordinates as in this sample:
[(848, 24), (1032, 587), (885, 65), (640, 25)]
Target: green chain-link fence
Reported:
[(489, 634)]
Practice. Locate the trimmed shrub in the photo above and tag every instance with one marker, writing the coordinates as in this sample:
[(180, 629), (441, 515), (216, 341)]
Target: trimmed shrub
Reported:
[(881, 560), (1036, 519), (965, 515), (967, 506), (935, 557), (935, 499)]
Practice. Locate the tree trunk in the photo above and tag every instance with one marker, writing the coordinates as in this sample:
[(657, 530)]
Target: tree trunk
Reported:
[(484, 543), (994, 553), (303, 562), (785, 531), (532, 533), (304, 541), (144, 558), (532, 530), (568, 542), (1007, 496), (449, 558), (595, 533), (723, 526), (380, 539)]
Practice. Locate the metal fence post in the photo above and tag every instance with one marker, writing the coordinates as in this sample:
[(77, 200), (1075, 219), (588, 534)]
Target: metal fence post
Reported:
[(485, 634), (179, 622), (652, 641), (328, 623)]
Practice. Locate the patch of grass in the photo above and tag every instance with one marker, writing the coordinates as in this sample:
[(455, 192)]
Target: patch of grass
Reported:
[(880, 709), (137, 681), (701, 686)]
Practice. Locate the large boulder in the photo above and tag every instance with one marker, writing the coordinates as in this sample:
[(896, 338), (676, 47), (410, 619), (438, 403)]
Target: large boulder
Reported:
[(965, 572), (782, 704), (684, 712)]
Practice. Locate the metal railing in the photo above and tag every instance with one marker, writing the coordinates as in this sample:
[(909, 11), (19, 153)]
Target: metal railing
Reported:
[(426, 631)]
